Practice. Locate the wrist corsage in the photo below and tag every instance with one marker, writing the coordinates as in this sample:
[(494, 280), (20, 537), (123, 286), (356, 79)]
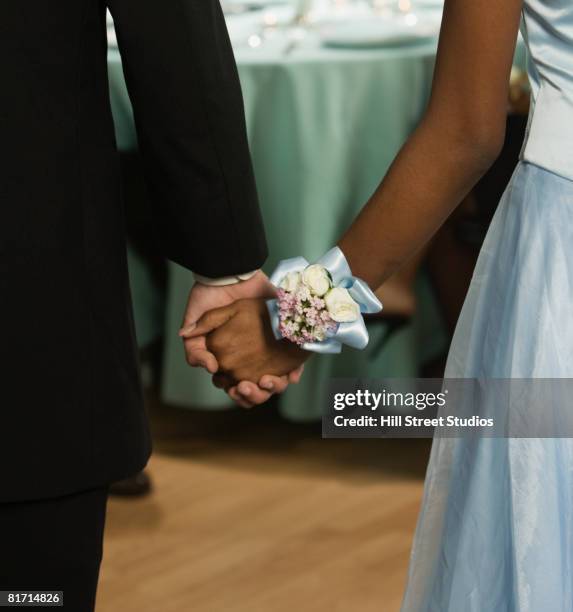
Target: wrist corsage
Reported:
[(320, 306)]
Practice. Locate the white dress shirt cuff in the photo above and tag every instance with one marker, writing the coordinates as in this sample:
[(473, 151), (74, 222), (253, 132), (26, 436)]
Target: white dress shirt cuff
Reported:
[(224, 280)]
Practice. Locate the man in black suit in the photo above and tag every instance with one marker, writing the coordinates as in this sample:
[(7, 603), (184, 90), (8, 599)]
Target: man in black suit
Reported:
[(71, 418)]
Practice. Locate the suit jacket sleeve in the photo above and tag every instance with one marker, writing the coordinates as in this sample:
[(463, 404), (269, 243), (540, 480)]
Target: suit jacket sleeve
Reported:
[(188, 108)]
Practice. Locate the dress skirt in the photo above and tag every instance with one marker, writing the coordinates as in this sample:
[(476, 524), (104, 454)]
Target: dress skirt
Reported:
[(495, 532)]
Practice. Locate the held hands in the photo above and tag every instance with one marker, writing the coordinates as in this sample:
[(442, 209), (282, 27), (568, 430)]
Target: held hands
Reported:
[(240, 337), (204, 298)]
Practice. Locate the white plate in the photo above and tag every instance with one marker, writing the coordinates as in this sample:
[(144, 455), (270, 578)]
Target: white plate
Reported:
[(379, 32), (238, 6), (241, 29)]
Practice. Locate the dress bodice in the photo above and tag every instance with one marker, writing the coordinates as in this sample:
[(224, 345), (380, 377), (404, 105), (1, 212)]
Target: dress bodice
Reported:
[(547, 28)]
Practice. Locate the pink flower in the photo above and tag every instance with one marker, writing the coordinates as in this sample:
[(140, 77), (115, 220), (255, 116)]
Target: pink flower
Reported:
[(303, 317)]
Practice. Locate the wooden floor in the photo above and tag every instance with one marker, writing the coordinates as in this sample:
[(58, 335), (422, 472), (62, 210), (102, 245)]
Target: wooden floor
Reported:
[(250, 513)]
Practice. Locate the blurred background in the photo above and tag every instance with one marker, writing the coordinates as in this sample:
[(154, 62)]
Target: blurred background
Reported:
[(253, 510)]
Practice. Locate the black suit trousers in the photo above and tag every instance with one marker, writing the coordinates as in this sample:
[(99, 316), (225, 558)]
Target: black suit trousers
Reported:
[(54, 545)]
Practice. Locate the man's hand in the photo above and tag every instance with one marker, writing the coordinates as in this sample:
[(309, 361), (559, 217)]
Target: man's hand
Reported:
[(203, 298), (247, 394), (241, 338)]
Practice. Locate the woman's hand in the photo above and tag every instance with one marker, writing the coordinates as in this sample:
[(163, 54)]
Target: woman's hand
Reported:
[(240, 337)]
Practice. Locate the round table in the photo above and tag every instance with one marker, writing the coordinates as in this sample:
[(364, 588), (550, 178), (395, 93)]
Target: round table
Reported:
[(324, 125)]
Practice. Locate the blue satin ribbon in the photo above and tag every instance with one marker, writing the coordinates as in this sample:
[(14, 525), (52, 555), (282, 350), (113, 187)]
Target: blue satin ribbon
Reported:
[(352, 334)]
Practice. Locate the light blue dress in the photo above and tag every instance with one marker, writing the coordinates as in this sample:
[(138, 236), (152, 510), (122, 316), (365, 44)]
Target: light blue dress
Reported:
[(495, 533)]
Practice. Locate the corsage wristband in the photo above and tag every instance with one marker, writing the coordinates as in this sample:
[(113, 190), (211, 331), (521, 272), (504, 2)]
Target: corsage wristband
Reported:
[(320, 306)]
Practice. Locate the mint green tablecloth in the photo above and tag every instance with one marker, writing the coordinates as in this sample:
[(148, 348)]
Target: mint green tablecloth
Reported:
[(323, 126)]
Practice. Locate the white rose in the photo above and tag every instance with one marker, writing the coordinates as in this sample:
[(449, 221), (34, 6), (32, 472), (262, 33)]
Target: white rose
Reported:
[(316, 278), (291, 281), (340, 305)]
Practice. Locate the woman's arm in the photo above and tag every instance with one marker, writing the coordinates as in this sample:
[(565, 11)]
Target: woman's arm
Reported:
[(459, 137)]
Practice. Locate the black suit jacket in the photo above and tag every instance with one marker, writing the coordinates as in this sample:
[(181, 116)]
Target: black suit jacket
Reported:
[(71, 414)]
